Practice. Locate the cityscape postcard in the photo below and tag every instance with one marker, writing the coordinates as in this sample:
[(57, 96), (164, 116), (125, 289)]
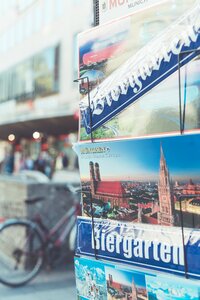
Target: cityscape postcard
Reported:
[(150, 181), (104, 281), (122, 284)]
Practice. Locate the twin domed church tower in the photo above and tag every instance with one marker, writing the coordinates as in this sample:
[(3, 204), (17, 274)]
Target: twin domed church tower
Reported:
[(94, 176), (107, 191)]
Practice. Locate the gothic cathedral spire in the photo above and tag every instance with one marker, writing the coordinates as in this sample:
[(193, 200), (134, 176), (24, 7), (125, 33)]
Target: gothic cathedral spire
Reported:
[(134, 290), (165, 194)]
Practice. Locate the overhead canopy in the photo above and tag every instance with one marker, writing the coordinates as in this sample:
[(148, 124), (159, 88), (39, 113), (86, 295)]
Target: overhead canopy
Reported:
[(49, 126)]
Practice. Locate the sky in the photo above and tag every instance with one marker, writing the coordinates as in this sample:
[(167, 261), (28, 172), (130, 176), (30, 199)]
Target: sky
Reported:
[(175, 287), (96, 269), (138, 159)]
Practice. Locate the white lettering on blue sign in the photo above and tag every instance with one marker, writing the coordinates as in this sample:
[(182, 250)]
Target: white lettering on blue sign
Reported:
[(130, 247)]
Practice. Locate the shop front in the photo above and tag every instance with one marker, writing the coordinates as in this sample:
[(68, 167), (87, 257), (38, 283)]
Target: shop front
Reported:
[(47, 140)]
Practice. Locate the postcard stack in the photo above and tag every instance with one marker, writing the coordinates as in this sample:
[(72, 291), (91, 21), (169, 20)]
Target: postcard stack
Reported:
[(139, 156)]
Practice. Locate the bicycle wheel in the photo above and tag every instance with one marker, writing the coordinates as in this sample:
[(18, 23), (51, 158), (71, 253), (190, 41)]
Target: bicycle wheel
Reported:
[(21, 252)]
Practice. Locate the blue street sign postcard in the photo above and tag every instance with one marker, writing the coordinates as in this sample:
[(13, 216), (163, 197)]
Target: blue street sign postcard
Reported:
[(154, 247), (125, 59), (157, 112), (99, 280)]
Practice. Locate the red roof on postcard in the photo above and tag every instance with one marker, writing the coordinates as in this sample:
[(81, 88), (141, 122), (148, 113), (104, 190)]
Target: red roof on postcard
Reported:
[(150, 220), (111, 188)]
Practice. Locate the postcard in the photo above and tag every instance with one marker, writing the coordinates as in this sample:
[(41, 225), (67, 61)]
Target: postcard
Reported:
[(150, 181), (98, 280), (157, 112), (154, 247), (123, 60)]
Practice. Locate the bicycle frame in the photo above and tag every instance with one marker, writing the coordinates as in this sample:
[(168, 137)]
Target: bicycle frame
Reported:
[(36, 246), (67, 222)]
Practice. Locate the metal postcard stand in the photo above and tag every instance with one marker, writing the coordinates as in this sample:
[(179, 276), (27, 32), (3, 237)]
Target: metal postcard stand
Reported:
[(182, 129), (182, 113), (82, 79)]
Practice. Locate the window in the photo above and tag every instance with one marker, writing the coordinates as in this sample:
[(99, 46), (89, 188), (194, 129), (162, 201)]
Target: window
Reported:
[(5, 86), (23, 81), (28, 25), (12, 37), (12, 84), (46, 71), (57, 68), (3, 40), (1, 88), (38, 18), (3, 6), (1, 44), (48, 12), (19, 31), (59, 7), (37, 76), (24, 4), (75, 58), (28, 79)]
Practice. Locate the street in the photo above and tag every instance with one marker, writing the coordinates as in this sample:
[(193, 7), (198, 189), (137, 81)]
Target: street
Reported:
[(59, 284)]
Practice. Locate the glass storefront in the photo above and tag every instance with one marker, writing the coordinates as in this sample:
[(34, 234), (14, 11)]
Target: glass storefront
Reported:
[(37, 76)]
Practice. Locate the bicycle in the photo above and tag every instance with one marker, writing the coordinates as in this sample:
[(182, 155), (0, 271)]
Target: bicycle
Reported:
[(26, 244)]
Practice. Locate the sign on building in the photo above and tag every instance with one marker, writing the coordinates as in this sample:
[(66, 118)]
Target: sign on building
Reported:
[(111, 9)]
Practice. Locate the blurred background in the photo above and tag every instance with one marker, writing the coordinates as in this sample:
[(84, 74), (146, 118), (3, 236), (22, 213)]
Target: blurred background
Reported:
[(38, 99), (39, 121)]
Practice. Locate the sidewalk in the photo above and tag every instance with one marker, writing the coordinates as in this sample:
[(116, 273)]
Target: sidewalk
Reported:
[(46, 286)]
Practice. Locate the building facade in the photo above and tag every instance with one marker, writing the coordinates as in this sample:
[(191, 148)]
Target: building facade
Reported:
[(38, 63)]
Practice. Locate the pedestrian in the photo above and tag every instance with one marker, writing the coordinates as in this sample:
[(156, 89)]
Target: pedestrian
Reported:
[(65, 161), (9, 162)]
